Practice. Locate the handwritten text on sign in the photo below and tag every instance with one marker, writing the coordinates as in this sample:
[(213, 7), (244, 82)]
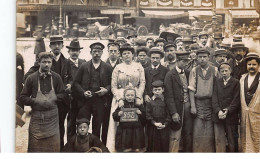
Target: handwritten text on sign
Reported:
[(129, 114)]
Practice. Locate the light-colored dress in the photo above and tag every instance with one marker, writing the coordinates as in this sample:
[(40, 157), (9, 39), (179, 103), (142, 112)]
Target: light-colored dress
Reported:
[(122, 76)]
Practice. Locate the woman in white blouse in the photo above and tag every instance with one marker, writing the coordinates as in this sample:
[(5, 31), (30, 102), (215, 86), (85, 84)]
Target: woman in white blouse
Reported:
[(127, 73)]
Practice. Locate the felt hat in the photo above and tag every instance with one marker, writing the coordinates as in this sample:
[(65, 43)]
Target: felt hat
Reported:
[(221, 52), (140, 42), (97, 45), (56, 38), (182, 55), (168, 44), (238, 45), (74, 44), (157, 51), (194, 46), (164, 35), (203, 33), (158, 83), (202, 50)]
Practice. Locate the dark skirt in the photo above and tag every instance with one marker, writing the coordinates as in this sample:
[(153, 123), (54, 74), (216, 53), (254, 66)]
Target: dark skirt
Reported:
[(50, 144), (158, 140), (127, 138)]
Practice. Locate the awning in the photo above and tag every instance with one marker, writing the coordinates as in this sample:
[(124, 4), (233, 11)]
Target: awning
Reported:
[(244, 14), (195, 13), (112, 11), (164, 14)]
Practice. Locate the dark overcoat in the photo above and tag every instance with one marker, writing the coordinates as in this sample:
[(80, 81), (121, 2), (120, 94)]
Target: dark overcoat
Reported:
[(226, 96), (174, 94)]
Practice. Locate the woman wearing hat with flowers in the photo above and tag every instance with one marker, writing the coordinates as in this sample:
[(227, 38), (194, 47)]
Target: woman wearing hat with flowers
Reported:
[(125, 73)]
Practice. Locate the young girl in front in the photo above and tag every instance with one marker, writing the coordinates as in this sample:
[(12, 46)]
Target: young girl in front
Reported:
[(130, 134)]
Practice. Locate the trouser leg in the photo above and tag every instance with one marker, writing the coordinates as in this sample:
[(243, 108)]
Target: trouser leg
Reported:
[(174, 142), (98, 109), (220, 137), (187, 129), (231, 132), (62, 115), (105, 124), (72, 116)]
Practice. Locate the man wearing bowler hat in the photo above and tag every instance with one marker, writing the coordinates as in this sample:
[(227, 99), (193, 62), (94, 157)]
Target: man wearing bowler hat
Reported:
[(61, 66), (218, 38), (178, 103), (75, 63), (92, 86), (238, 64), (169, 60)]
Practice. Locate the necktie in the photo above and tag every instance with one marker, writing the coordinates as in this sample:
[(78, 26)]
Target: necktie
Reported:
[(45, 74)]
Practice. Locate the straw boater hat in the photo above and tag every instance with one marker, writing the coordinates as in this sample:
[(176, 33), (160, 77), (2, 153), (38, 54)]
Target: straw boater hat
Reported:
[(252, 55), (56, 38)]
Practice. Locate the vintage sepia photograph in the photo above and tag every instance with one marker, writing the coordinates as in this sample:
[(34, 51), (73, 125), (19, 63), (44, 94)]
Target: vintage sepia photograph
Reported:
[(143, 76)]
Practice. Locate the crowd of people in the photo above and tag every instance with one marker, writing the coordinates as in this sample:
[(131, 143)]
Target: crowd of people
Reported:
[(170, 94)]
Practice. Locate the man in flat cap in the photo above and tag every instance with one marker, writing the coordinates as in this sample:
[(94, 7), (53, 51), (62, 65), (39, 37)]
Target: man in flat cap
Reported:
[(201, 80), (92, 86), (75, 63), (154, 72), (220, 57), (178, 103), (204, 42), (239, 52), (169, 61), (250, 105), (61, 66)]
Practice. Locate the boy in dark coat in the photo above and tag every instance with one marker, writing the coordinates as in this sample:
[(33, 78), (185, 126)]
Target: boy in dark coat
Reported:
[(83, 141), (158, 117), (226, 104)]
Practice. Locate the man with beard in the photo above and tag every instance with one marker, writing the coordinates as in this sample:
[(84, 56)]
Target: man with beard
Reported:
[(92, 86), (75, 63), (178, 104), (154, 72), (201, 80), (220, 57), (60, 65), (218, 38), (113, 51), (170, 59), (238, 63), (141, 53), (250, 105)]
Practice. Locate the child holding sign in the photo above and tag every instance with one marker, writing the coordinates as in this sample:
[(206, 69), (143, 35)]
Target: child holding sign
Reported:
[(158, 120), (131, 118)]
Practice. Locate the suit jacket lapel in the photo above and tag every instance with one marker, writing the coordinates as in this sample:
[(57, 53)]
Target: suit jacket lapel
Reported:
[(62, 60), (176, 76), (229, 83)]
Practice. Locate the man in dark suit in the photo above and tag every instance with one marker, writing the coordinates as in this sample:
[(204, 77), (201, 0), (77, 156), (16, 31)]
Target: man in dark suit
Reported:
[(113, 51), (226, 104), (154, 72), (220, 57), (60, 65), (178, 103), (92, 86), (75, 63)]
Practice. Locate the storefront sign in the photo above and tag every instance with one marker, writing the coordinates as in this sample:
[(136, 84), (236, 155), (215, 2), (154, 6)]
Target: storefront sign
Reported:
[(129, 114), (112, 11), (230, 3), (164, 3), (187, 3), (206, 3)]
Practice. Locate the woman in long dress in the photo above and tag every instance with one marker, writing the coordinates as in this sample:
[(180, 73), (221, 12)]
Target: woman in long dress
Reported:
[(124, 74)]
